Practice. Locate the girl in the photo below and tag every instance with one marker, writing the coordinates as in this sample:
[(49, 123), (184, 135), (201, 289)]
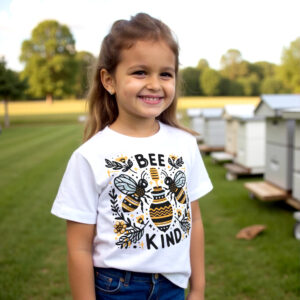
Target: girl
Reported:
[(134, 229)]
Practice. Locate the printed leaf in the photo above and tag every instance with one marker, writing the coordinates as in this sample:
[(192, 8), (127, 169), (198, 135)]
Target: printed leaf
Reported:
[(108, 163), (179, 162)]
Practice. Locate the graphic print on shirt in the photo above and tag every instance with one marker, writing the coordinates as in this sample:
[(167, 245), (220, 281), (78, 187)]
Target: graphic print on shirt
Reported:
[(149, 201)]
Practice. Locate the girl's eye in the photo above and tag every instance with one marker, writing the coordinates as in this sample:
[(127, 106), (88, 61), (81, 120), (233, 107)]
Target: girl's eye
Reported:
[(139, 73), (166, 74)]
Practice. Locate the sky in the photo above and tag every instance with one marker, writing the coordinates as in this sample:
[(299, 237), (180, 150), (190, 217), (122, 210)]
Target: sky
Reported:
[(259, 29)]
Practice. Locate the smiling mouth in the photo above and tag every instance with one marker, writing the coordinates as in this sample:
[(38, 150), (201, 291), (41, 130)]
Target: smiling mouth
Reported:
[(151, 99)]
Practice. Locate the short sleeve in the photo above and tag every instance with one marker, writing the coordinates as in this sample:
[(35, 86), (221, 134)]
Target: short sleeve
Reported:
[(77, 197), (199, 183)]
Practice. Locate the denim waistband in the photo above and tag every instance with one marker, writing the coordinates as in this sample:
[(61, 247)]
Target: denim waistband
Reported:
[(135, 276)]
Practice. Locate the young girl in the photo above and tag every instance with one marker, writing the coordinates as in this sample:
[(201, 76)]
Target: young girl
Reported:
[(134, 228)]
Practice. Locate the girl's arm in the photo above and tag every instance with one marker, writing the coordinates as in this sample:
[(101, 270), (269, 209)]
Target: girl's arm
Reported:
[(80, 263), (197, 280)]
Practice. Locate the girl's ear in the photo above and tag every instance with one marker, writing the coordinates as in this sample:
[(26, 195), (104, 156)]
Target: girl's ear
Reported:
[(107, 81)]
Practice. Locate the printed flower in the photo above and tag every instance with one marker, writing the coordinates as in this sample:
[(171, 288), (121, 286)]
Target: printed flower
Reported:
[(140, 219), (122, 159), (173, 157), (189, 216), (179, 212), (120, 227)]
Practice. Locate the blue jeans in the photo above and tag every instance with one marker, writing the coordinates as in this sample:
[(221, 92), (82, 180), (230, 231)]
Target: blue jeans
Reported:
[(112, 284)]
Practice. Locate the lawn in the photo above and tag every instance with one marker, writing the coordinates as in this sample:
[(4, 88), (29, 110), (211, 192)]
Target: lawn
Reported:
[(32, 246)]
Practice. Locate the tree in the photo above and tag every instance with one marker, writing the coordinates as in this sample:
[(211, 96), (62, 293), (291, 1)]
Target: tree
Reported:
[(202, 64), (289, 71), (85, 61), (232, 87), (11, 88), (233, 65), (211, 82), (190, 81), (250, 85), (263, 69), (272, 85), (49, 57)]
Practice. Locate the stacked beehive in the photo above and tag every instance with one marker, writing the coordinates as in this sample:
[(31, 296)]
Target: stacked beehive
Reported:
[(196, 120), (230, 114), (294, 114), (279, 138), (251, 143), (214, 127)]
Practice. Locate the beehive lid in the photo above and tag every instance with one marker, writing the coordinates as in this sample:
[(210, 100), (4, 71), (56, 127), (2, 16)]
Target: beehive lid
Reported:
[(238, 110), (212, 113), (194, 112), (274, 105), (291, 114), (249, 119)]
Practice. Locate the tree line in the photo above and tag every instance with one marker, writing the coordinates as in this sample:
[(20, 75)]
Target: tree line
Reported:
[(54, 69), (238, 77)]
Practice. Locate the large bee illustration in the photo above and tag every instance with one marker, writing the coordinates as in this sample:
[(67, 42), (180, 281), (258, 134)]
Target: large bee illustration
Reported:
[(135, 192), (176, 186)]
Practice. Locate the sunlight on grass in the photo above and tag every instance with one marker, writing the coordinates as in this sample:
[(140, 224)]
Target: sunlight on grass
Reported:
[(20, 108)]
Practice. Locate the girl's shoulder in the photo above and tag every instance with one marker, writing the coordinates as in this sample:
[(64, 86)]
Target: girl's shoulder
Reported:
[(92, 145), (178, 133)]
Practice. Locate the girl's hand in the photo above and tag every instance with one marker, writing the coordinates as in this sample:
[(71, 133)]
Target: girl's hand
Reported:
[(195, 295)]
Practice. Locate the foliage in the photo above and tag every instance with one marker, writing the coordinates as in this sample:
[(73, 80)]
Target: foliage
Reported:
[(49, 57), (11, 86), (272, 85), (289, 71), (202, 64), (85, 62), (231, 87), (233, 66), (250, 85), (211, 82), (190, 81), (263, 69)]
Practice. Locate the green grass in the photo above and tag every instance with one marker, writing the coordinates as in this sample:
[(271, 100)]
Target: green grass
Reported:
[(266, 267), (32, 241), (32, 247), (25, 120)]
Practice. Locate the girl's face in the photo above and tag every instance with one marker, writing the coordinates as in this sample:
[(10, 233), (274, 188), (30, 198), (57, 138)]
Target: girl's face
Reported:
[(144, 80)]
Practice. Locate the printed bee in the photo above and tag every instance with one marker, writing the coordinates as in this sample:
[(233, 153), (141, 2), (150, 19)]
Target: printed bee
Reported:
[(176, 186), (135, 192)]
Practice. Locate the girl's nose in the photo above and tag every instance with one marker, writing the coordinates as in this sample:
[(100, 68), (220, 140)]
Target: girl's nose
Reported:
[(153, 83)]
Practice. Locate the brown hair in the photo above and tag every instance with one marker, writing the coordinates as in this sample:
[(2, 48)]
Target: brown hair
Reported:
[(103, 109)]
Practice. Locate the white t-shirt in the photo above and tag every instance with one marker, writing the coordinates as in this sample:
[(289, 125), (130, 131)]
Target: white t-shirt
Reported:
[(138, 192)]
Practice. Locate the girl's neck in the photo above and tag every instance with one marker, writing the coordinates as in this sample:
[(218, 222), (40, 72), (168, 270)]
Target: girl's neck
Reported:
[(143, 128)]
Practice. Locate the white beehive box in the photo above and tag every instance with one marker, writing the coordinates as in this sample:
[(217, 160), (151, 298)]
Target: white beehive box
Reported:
[(251, 143), (214, 127), (279, 138), (280, 131), (294, 114), (196, 119), (232, 124), (279, 165)]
